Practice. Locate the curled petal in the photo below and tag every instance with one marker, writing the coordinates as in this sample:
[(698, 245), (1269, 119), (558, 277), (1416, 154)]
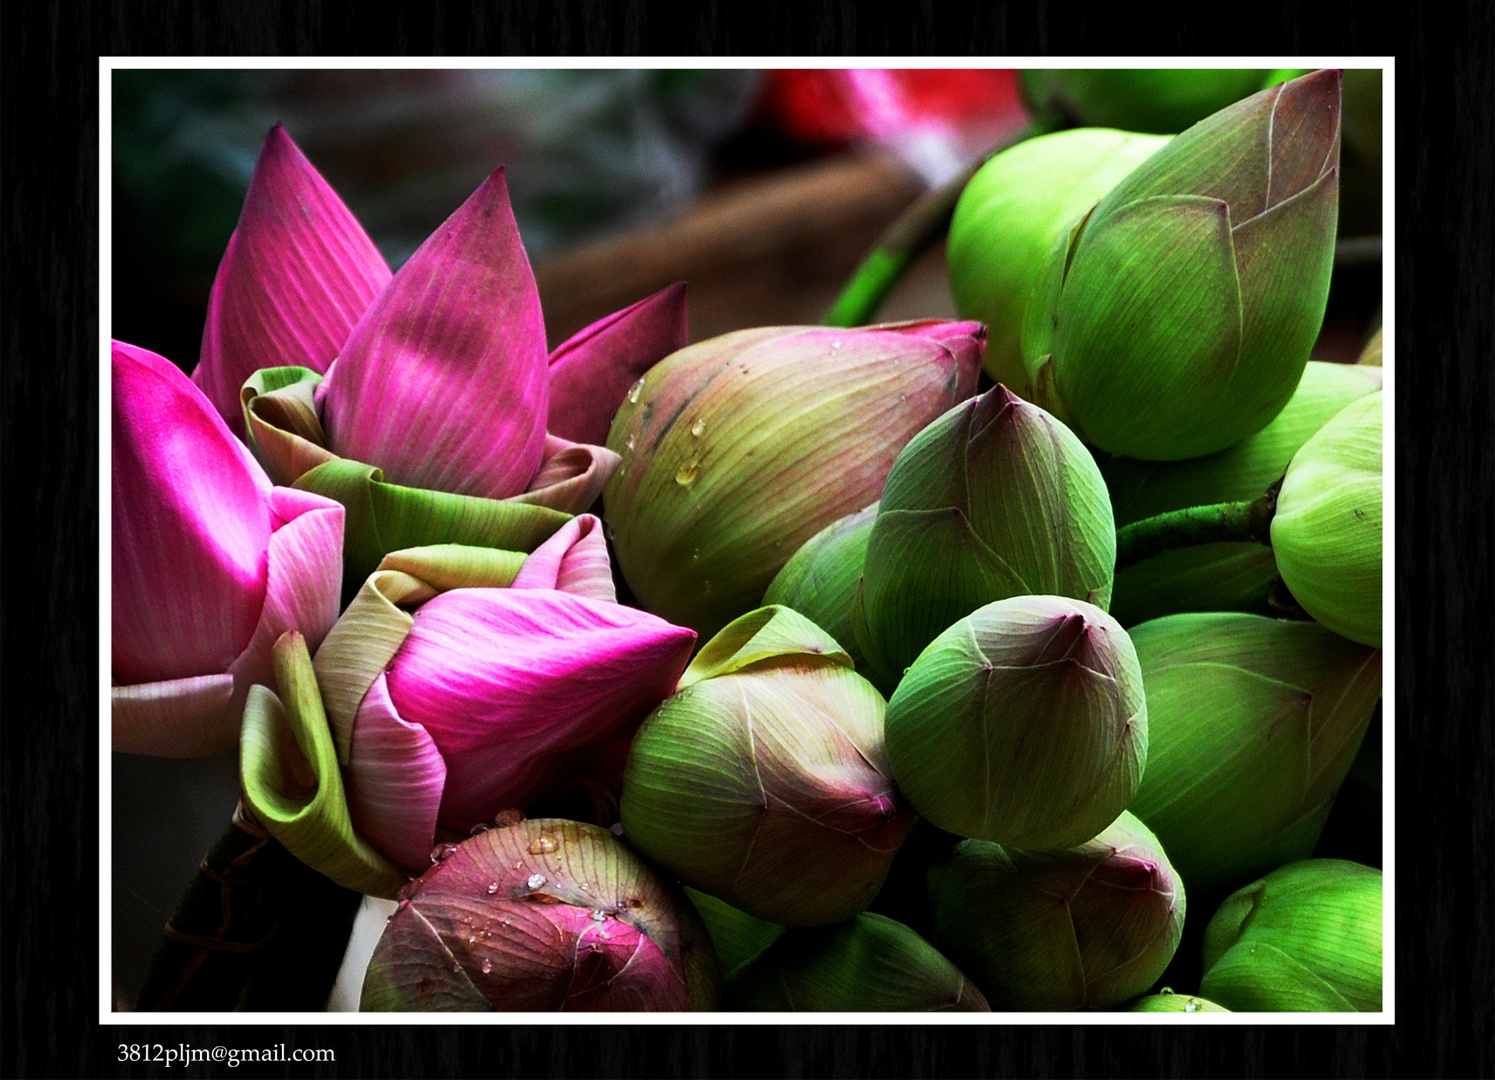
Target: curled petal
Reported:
[(571, 477), (298, 273), (443, 384), (574, 560), (591, 372)]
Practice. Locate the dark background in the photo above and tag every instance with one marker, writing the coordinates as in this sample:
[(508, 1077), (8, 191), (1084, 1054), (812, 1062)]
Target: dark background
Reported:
[(1445, 412)]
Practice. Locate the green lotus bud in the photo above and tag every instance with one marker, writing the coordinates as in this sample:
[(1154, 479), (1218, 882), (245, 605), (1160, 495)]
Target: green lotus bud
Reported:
[(870, 964), (538, 916), (736, 935), (737, 450), (1086, 928), (1138, 99), (764, 781), (1176, 318), (1252, 725), (1225, 576), (820, 580), (1326, 533), (1166, 1001), (994, 499), (1023, 724), (1305, 938), (1012, 212)]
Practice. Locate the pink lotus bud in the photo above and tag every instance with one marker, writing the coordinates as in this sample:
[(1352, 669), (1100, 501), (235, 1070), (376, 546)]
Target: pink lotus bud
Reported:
[(298, 273), (209, 564)]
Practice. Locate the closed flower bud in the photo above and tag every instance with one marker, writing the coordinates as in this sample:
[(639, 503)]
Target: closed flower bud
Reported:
[(820, 580), (1326, 533), (1138, 99), (869, 964), (1252, 725), (1305, 938), (736, 935), (737, 450), (1223, 576), (542, 916), (1023, 724), (1084, 928), (763, 780), (1177, 316), (1012, 212), (994, 499)]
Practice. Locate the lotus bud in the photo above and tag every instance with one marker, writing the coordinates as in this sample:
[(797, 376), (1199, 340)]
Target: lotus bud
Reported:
[(1326, 533), (1223, 576), (1166, 1001), (1023, 724), (451, 699), (736, 935), (1009, 215), (994, 499), (1252, 726), (1305, 938), (210, 564), (1138, 99), (820, 580), (542, 916), (739, 449), (1085, 928), (1177, 316), (763, 780), (870, 964)]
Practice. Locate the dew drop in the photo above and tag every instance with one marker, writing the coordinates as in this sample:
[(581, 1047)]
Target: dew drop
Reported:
[(1192, 1005), (441, 852), (695, 556), (542, 844), (687, 473), (505, 819), (634, 391), (632, 442), (698, 428), (616, 828), (535, 881), (479, 829), (487, 967), (1166, 990), (598, 915), (835, 345), (492, 888), (903, 397)]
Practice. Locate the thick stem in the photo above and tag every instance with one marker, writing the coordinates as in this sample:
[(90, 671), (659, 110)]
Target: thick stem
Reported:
[(256, 930), (914, 231), (1249, 521)]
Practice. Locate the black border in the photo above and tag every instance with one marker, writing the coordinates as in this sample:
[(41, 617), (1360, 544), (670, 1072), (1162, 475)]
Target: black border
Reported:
[(1445, 412)]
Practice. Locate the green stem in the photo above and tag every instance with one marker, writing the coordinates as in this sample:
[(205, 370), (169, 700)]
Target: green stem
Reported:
[(911, 234), (256, 930), (1248, 521)]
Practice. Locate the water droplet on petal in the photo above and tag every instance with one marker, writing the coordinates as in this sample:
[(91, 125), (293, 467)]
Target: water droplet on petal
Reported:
[(542, 844), (687, 473), (535, 881), (616, 828), (902, 397), (1192, 1005), (479, 829), (698, 428), (505, 819), (1166, 990), (492, 888), (442, 852), (487, 967), (599, 915), (695, 556), (631, 443), (835, 345), (634, 391)]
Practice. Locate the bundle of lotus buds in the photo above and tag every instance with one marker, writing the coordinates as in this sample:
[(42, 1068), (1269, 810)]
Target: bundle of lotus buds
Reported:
[(916, 666)]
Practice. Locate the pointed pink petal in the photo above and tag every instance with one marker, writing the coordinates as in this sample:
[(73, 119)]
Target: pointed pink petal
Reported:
[(395, 777), (571, 477), (505, 680), (591, 372), (443, 384), (298, 273), (573, 560), (190, 525), (965, 340)]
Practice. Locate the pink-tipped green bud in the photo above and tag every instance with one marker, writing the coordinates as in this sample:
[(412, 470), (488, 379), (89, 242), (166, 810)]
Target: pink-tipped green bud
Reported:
[(1085, 928), (1012, 212), (1022, 724), (869, 964), (1326, 533), (737, 450), (1305, 938), (1177, 316), (541, 916), (820, 580), (1138, 99), (994, 499), (1252, 725), (763, 780)]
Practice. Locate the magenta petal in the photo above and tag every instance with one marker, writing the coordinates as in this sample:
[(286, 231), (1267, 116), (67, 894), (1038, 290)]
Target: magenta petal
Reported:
[(573, 560), (966, 341), (395, 778), (516, 685), (443, 384), (590, 372), (298, 274), (190, 526)]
